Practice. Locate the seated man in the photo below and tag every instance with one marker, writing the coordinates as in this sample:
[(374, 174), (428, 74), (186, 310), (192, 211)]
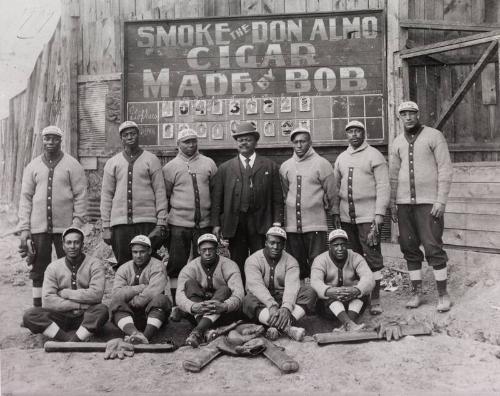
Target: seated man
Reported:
[(209, 287), (274, 295), (72, 292), (343, 280), (141, 294)]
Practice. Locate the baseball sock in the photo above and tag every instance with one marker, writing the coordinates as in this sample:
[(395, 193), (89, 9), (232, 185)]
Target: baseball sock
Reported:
[(126, 324), (376, 290), (206, 322), (55, 332), (264, 316), (354, 309), (441, 276), (37, 293), (155, 321), (338, 310), (298, 312), (82, 334)]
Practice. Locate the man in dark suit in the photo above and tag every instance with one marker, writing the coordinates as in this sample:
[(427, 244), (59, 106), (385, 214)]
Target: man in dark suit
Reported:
[(246, 197)]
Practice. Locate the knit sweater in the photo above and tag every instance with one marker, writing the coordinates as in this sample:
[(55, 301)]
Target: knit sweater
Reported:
[(153, 275), (309, 189), (226, 273), (421, 169), (325, 274), (53, 196), (286, 279), (180, 175), (59, 294), (364, 170), (133, 191)]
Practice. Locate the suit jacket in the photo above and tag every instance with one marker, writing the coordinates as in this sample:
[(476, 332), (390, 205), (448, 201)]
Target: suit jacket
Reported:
[(227, 190)]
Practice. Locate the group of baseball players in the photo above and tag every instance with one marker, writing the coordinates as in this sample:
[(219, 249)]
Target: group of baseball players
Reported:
[(283, 262)]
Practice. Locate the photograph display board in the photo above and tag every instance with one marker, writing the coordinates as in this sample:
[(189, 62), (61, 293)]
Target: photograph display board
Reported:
[(317, 70)]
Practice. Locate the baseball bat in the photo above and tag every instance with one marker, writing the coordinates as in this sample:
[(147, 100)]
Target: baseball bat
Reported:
[(278, 357), (54, 346)]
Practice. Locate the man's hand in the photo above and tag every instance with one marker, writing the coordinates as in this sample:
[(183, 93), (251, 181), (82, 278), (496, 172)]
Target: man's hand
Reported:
[(280, 319), (117, 348), (216, 232), (343, 293), (437, 210), (272, 310), (215, 307), (23, 243), (391, 330), (200, 308), (64, 293), (336, 221), (158, 236), (106, 235), (379, 221), (394, 213)]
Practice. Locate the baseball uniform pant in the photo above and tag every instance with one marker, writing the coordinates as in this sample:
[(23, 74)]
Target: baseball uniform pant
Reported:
[(417, 227), (43, 248), (324, 307), (358, 234), (37, 319), (304, 247), (181, 241), (122, 234), (159, 307)]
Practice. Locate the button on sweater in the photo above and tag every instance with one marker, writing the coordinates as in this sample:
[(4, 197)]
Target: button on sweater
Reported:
[(59, 294), (420, 168), (309, 188), (226, 273), (286, 279), (178, 175), (153, 275), (364, 170), (51, 201), (133, 191), (325, 274)]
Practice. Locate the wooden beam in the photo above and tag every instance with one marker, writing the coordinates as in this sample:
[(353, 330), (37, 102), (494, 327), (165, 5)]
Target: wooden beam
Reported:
[(428, 24), (449, 45), (471, 78)]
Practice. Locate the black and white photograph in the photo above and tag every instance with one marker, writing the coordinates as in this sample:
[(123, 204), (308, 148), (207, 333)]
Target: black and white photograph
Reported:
[(249, 197)]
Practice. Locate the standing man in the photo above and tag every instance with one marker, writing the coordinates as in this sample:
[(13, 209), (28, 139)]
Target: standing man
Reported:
[(140, 301), (247, 197), (275, 297), (73, 288), (362, 179), (342, 280), (420, 176), (187, 181), (209, 288), (308, 188), (133, 199), (53, 197)]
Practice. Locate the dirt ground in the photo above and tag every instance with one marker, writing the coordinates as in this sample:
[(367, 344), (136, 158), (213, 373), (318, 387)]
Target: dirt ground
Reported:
[(462, 355)]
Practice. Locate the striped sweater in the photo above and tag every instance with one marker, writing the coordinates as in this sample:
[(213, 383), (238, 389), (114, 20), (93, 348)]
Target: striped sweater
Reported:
[(61, 294), (365, 171), (226, 273), (308, 188), (53, 195), (421, 169), (286, 278), (153, 275), (180, 175), (133, 191), (325, 274)]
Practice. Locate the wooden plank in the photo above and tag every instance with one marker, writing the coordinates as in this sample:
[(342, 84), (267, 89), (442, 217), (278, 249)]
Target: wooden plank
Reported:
[(429, 24), (481, 172), (54, 346), (481, 64), (473, 222), (375, 4), (472, 206), (318, 5), (99, 77), (293, 6), (475, 190), (339, 5), (127, 10), (273, 6), (234, 7), (482, 239), (356, 4), (250, 7)]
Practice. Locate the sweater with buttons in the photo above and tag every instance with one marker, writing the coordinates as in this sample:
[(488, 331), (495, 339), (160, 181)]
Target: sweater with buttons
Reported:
[(133, 190), (187, 182), (362, 181), (153, 275), (355, 272), (309, 188), (67, 288), (53, 195), (421, 170), (225, 273), (283, 278)]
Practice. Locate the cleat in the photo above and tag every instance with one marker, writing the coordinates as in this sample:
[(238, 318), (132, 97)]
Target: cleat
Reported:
[(444, 303), (295, 333)]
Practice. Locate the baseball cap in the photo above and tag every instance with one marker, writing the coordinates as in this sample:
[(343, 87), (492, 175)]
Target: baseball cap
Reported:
[(299, 130), (127, 124), (208, 238), (140, 240), (52, 130), (338, 233), (277, 231), (186, 134), (355, 124), (408, 106), (70, 230)]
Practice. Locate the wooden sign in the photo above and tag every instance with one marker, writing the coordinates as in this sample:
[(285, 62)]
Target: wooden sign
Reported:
[(318, 71)]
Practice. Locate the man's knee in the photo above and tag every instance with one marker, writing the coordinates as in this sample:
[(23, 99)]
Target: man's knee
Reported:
[(161, 301), (250, 306), (35, 319), (307, 298), (193, 289), (222, 293), (100, 311)]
